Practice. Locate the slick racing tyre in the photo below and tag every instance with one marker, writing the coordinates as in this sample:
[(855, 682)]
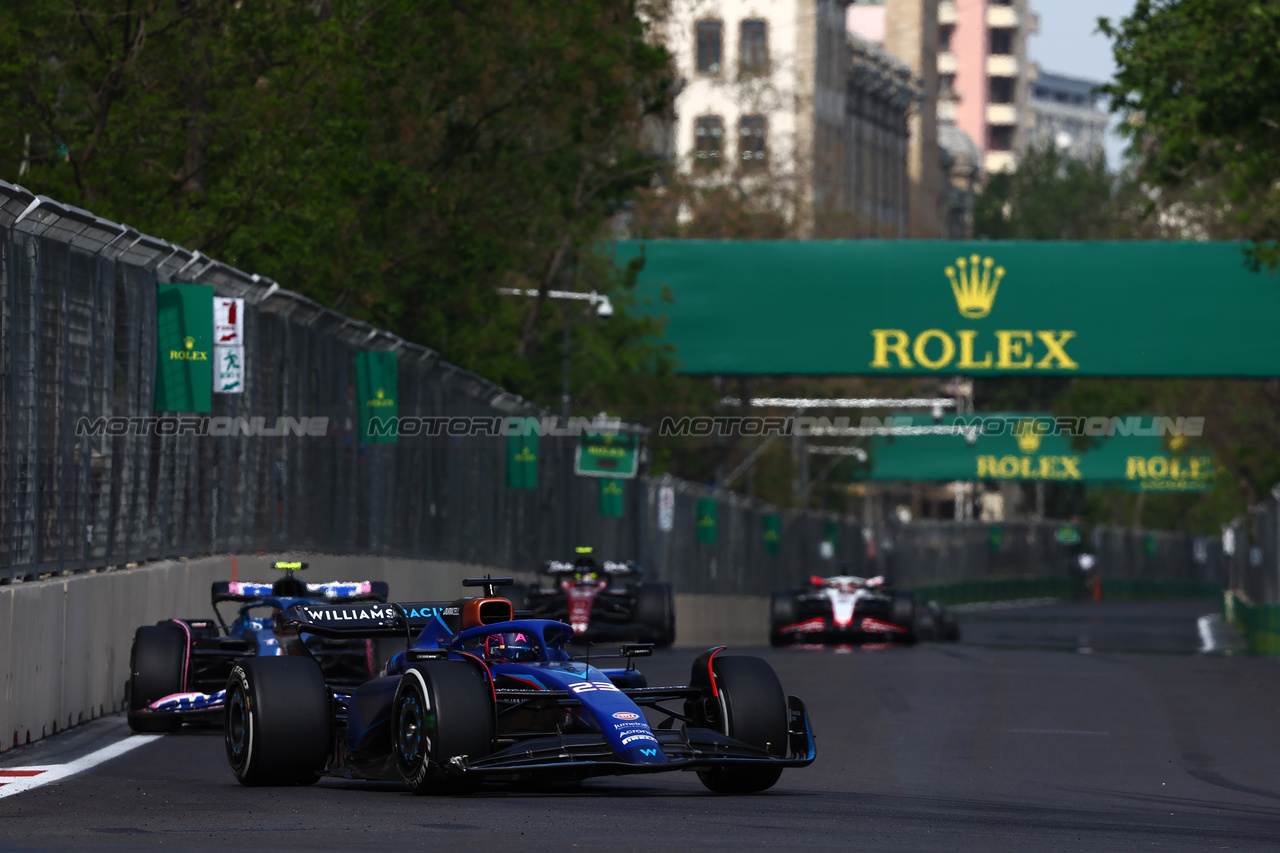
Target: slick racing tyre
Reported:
[(750, 707), (442, 710), (902, 612), (157, 668), (277, 723), (783, 611), (655, 611), (950, 629)]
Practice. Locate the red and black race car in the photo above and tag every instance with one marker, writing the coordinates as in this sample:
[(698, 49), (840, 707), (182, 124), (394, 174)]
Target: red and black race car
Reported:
[(850, 609), (605, 600)]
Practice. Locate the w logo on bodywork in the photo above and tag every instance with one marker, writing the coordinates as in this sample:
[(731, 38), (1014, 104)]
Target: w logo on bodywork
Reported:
[(649, 752)]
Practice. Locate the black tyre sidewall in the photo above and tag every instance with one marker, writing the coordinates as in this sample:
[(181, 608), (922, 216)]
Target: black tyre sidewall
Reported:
[(903, 610), (157, 668), (281, 708), (655, 610), (456, 708), (783, 611), (753, 709)]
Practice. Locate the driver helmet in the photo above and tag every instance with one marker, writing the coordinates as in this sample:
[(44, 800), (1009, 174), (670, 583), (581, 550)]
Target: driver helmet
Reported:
[(510, 647), (585, 569)]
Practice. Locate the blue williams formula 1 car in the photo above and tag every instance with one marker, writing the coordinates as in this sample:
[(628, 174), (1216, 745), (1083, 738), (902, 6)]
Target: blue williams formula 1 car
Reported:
[(480, 696), (178, 668)]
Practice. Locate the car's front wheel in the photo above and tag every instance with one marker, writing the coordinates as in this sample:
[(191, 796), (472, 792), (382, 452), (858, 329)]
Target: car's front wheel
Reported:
[(748, 705), (442, 710), (157, 667), (784, 610), (277, 721), (655, 609)]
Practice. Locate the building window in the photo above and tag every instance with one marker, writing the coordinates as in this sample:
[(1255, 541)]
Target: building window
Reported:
[(945, 32), (946, 85), (1002, 90), (1001, 41), (751, 141), (708, 141), (753, 48), (1000, 137), (710, 46)]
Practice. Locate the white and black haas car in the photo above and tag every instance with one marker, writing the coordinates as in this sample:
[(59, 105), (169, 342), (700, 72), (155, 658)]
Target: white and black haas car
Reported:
[(851, 609), (605, 600)]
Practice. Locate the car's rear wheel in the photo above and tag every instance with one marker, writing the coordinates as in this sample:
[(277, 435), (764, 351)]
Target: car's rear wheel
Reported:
[(277, 721), (442, 710), (747, 705), (655, 609), (950, 629), (783, 610), (902, 612), (157, 668)]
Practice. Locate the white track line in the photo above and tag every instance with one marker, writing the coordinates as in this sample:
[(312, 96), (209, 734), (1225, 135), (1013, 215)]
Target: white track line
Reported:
[(10, 785)]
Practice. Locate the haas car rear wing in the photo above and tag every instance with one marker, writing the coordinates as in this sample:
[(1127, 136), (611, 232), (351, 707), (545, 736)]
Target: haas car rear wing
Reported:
[(346, 591), (368, 620)]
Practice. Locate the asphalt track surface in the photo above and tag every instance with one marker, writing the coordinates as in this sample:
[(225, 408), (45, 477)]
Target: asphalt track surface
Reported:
[(1054, 727)]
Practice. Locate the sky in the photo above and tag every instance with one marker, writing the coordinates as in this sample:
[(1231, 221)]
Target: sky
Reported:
[(1068, 44)]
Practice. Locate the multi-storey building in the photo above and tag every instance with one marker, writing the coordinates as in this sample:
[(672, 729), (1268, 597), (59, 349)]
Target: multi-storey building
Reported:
[(1064, 113), (777, 99), (984, 75), (942, 167)]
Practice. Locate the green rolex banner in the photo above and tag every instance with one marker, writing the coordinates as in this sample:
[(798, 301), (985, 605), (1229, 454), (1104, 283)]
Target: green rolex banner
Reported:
[(611, 494), (184, 347), (707, 521), (522, 461), (1149, 453), (377, 406), (772, 533)]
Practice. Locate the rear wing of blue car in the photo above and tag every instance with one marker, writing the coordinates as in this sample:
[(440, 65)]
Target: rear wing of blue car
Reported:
[(335, 591), (371, 620)]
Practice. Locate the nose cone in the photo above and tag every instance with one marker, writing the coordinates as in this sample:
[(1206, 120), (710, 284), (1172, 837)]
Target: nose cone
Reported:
[(644, 752)]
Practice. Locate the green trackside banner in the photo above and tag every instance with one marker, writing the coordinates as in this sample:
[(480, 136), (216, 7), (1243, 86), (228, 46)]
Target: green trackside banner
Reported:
[(873, 307), (1144, 453), (707, 510), (184, 348), (611, 494), (831, 533), (377, 399), (772, 533), (522, 461)]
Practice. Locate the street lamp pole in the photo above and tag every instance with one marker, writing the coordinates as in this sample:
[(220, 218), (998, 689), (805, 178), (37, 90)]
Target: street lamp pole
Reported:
[(599, 301)]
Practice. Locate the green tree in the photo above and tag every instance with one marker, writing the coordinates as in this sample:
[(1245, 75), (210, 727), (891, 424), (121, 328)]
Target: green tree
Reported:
[(1051, 196), (1199, 84), (398, 160)]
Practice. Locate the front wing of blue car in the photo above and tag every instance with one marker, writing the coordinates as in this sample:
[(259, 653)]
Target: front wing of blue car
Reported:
[(689, 748)]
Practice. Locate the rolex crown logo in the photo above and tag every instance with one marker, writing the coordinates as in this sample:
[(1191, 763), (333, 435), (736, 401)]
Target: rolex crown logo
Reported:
[(974, 283), (189, 342), (1028, 438), (379, 393)]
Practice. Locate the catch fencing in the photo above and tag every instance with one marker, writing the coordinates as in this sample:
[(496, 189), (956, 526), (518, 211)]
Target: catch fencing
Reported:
[(78, 341)]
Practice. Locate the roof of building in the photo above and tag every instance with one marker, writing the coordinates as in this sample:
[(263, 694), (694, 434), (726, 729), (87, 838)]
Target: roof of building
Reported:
[(874, 65), (957, 143), (1059, 87)]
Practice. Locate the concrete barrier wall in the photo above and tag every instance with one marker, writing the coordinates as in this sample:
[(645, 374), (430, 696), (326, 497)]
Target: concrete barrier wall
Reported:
[(64, 642)]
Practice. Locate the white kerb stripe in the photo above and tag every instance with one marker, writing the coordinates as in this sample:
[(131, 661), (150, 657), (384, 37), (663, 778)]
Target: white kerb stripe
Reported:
[(57, 772)]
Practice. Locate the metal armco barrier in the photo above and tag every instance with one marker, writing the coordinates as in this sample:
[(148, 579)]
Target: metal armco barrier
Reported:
[(78, 341)]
